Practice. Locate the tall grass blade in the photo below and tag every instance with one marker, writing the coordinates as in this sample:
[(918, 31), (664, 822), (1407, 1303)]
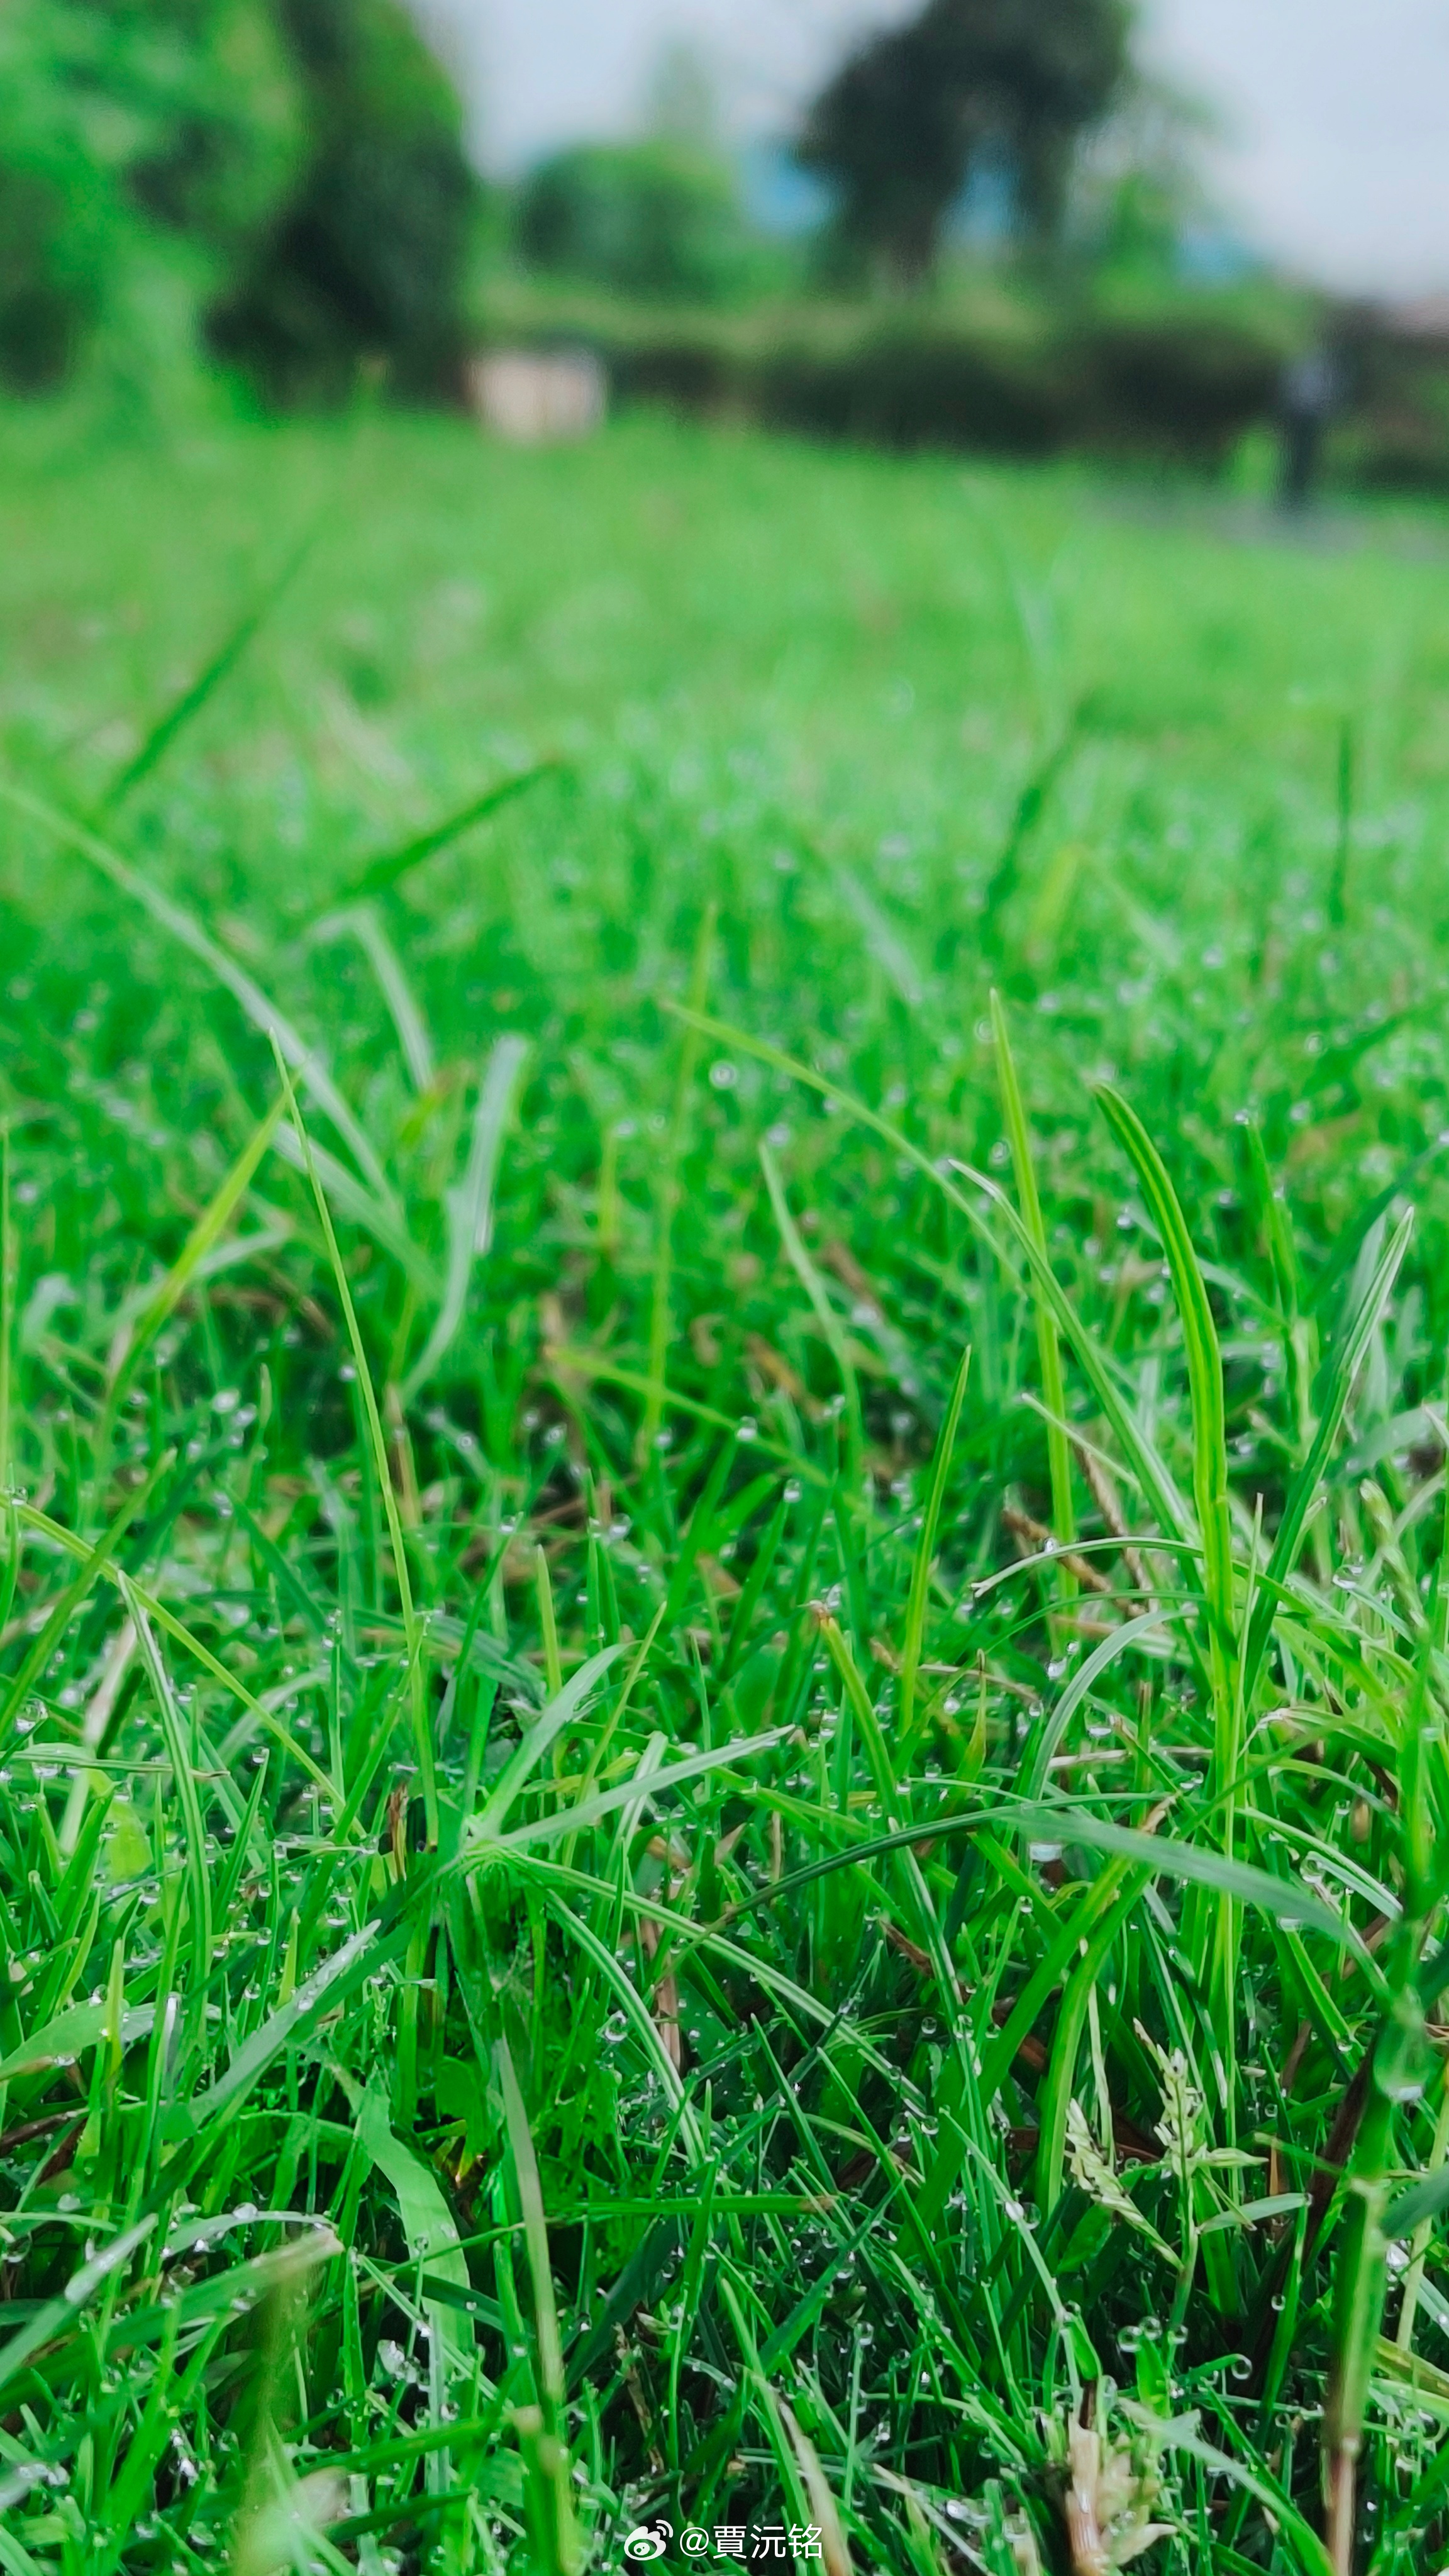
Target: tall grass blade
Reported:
[(198, 693), (183, 1773), (1205, 1385), (378, 1216), (360, 922), (203, 1238), (832, 1329), (1031, 804), (925, 1557), (667, 1192), (1053, 1385), (1342, 1371), (557, 2545), (391, 866), (8, 1268), (470, 1204), (433, 2243), (382, 1471)]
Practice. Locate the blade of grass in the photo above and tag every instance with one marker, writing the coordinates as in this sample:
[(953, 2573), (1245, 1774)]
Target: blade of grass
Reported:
[(7, 1307), (166, 1620), (391, 866), (470, 1205), (565, 1708), (1360, 2290), (634, 1382), (1031, 804), (1053, 1385), (925, 1558), (433, 2244), (1205, 1386), (1287, 1899), (382, 1472), (94, 1562), (360, 922), (825, 1315), (379, 1217), (1342, 1371), (667, 1193), (204, 1235), (198, 693), (198, 1878), (54, 2317)]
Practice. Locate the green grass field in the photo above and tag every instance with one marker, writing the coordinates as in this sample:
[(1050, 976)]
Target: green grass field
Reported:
[(724, 1790)]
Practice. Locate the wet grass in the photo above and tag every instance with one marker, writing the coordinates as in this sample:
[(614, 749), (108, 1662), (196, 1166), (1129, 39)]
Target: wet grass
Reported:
[(723, 1780)]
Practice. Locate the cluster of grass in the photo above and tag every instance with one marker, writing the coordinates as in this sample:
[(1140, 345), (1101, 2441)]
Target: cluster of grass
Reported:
[(723, 1772)]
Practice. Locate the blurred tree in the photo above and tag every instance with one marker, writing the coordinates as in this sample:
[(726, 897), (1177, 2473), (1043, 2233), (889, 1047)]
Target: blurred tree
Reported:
[(660, 219), (369, 256), (136, 136), (897, 130), (285, 178)]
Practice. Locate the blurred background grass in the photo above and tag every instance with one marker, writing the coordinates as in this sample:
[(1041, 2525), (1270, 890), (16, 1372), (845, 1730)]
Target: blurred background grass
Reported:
[(757, 726)]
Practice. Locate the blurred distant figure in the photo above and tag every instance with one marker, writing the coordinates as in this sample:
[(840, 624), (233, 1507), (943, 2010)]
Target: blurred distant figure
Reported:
[(1308, 399)]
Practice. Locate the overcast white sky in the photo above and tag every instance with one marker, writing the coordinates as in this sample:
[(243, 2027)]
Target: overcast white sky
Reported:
[(1338, 109)]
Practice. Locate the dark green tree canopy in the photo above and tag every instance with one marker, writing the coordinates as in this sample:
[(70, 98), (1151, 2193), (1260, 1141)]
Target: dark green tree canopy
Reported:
[(127, 126), (294, 168), (899, 127), (368, 257)]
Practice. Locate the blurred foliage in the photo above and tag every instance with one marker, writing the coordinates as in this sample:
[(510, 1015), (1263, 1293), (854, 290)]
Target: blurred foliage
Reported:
[(1140, 198), (661, 218), (285, 175), (1395, 433), (370, 255), (992, 363), (902, 125), (132, 138)]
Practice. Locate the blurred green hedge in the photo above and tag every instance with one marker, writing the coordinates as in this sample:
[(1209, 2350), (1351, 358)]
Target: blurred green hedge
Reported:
[(1394, 436), (1007, 365), (1007, 373)]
